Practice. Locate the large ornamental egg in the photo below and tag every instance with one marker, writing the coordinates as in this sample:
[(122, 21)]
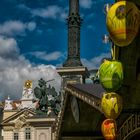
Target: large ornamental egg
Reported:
[(111, 105), (123, 20), (109, 129), (111, 75)]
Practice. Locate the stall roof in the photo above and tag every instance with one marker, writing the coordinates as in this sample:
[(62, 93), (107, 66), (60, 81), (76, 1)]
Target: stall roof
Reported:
[(95, 90)]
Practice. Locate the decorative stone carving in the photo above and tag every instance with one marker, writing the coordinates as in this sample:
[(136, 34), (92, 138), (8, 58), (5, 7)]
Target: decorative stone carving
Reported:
[(8, 104), (20, 121), (27, 90), (8, 128), (74, 23)]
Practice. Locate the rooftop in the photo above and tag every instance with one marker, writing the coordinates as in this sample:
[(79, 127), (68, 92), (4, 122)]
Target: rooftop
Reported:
[(95, 90)]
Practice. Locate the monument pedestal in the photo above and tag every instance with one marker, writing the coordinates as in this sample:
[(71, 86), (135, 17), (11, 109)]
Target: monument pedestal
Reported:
[(72, 75)]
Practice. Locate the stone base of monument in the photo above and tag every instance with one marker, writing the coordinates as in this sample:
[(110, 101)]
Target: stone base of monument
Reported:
[(72, 75)]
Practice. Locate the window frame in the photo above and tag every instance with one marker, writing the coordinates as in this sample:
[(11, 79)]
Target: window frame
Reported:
[(15, 136), (27, 133)]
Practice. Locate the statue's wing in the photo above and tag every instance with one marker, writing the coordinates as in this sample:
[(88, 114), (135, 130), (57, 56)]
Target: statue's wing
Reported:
[(58, 99), (43, 102), (37, 92)]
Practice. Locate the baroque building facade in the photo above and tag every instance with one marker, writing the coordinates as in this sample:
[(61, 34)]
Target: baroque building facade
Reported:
[(20, 121)]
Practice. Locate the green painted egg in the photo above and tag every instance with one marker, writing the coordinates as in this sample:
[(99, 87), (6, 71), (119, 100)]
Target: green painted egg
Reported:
[(111, 75)]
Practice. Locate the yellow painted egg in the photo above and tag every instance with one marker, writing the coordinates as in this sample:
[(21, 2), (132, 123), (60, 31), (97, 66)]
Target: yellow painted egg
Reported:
[(111, 105), (123, 21)]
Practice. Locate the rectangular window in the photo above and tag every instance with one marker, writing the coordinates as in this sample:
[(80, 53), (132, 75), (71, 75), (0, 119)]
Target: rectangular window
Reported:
[(27, 133), (15, 136)]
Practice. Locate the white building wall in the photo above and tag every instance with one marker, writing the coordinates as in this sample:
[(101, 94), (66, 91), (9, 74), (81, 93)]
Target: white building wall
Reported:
[(21, 134), (53, 136), (43, 132), (36, 133), (8, 135), (32, 133)]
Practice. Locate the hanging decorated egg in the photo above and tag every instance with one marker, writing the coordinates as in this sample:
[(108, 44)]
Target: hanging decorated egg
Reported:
[(109, 129), (122, 21), (111, 75), (111, 105)]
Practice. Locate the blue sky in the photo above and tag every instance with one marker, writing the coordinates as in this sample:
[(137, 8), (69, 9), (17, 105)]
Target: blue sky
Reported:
[(33, 39)]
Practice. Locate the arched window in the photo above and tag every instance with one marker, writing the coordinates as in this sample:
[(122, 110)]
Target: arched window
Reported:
[(42, 136)]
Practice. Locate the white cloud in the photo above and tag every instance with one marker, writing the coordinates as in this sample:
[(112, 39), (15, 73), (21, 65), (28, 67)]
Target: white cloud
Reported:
[(12, 78), (10, 27), (48, 57), (31, 26), (53, 12), (86, 3), (95, 62), (15, 70), (8, 48), (16, 27)]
